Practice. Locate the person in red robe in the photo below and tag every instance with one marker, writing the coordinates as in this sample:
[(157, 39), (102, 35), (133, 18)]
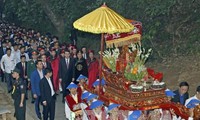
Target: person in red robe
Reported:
[(81, 81), (73, 103), (74, 52), (91, 97), (84, 96), (97, 111), (96, 86), (113, 112), (88, 101), (93, 68), (54, 60), (134, 115)]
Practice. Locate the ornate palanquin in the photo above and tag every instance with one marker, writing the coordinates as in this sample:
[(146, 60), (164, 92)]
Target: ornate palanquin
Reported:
[(117, 88), (120, 39), (197, 112), (117, 92)]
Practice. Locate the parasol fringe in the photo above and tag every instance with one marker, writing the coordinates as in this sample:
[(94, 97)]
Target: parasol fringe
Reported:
[(123, 41)]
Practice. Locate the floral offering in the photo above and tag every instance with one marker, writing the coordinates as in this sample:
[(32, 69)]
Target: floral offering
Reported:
[(135, 69), (110, 57)]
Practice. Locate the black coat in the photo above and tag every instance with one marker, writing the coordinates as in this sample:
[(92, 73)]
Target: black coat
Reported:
[(20, 67), (48, 65), (81, 68), (45, 90), (1, 52), (176, 98), (66, 74)]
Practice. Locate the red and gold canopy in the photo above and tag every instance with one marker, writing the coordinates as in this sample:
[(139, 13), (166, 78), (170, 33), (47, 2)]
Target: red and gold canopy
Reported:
[(121, 39)]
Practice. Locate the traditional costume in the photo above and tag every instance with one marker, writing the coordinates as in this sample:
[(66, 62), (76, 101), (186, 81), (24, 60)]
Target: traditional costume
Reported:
[(91, 98), (93, 69), (114, 114), (84, 96), (55, 67), (74, 51), (73, 104), (85, 104), (134, 115), (192, 104), (163, 114), (81, 79), (96, 86), (94, 114)]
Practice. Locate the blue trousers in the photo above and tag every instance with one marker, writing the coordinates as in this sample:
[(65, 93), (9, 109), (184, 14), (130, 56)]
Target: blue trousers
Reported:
[(37, 106), (8, 79)]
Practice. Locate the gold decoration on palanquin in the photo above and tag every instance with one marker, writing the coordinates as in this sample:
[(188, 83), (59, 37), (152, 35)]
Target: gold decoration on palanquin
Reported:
[(149, 102), (197, 112)]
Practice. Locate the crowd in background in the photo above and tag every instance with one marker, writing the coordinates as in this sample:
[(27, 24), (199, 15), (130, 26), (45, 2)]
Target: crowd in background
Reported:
[(25, 49), (48, 68)]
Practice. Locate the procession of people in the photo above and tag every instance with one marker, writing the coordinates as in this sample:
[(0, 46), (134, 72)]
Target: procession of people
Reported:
[(41, 64)]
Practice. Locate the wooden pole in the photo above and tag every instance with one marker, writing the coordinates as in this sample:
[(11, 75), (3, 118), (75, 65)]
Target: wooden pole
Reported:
[(101, 62)]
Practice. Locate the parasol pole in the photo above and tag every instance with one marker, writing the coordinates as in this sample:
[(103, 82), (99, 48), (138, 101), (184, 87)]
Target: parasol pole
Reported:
[(101, 61)]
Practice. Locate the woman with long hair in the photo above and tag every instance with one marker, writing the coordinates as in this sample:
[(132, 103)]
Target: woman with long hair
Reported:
[(80, 65), (54, 59), (93, 68)]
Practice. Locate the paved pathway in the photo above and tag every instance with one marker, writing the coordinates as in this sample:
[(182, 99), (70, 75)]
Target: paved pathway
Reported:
[(6, 100), (6, 103)]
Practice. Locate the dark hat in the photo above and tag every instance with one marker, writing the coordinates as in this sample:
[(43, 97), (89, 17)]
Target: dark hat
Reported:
[(55, 37), (63, 44), (16, 70), (22, 56), (15, 44), (8, 49), (198, 89), (22, 47), (4, 42)]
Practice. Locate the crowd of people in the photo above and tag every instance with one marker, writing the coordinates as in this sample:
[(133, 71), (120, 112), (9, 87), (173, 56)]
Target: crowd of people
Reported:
[(32, 53), (41, 64)]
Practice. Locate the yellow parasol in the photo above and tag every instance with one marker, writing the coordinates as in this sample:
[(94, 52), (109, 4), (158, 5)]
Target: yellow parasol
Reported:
[(100, 21), (103, 20)]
